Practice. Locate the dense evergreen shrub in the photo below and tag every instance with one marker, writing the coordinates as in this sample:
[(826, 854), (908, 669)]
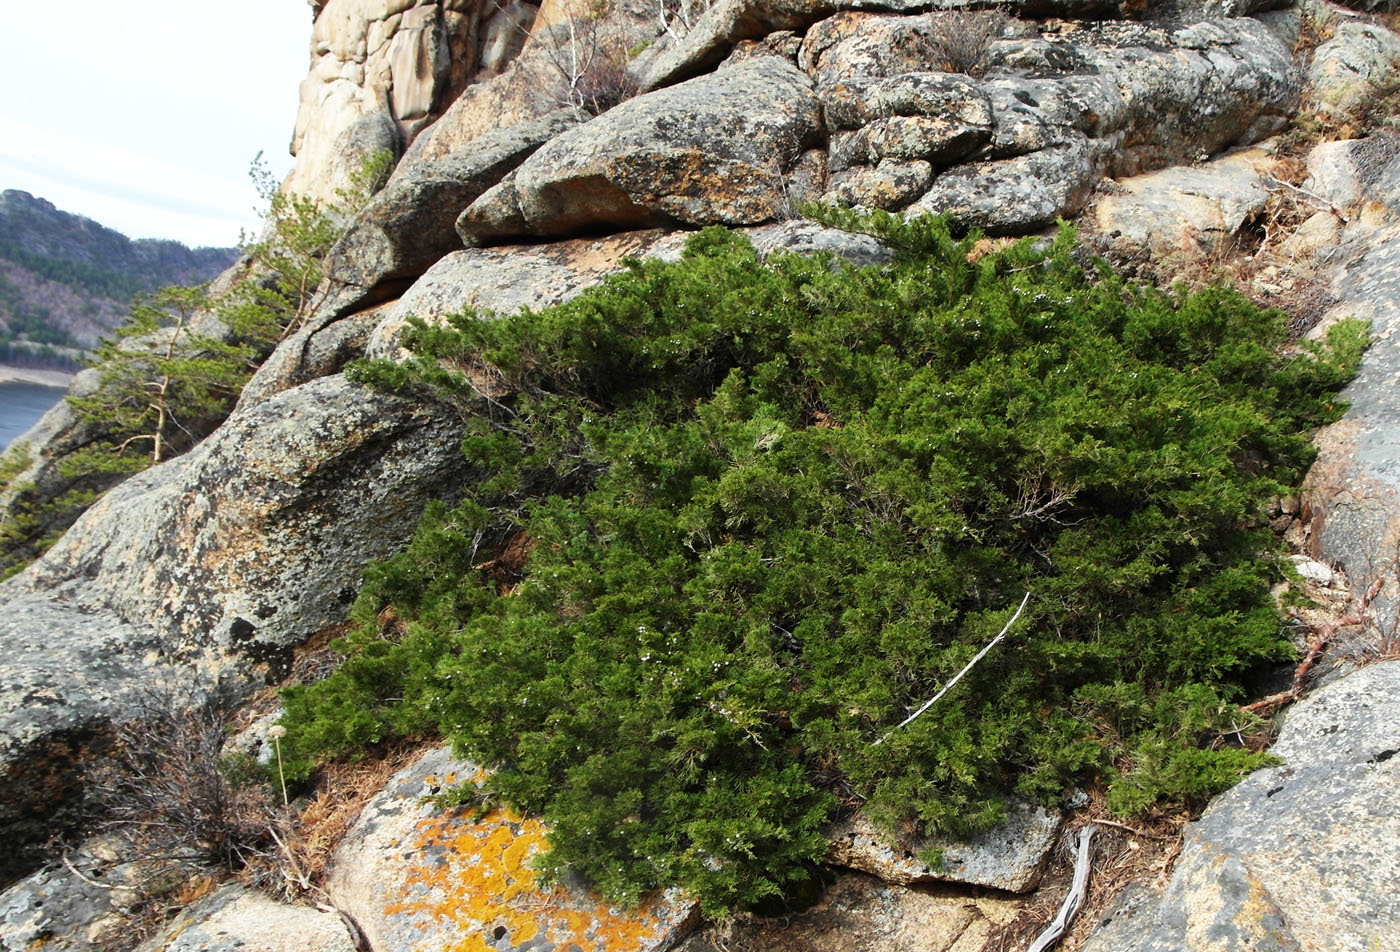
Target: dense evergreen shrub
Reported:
[(737, 519)]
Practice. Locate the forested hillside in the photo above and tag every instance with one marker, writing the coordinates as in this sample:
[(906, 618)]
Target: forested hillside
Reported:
[(65, 280)]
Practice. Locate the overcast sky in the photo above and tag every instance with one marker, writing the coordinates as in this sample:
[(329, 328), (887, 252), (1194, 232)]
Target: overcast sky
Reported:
[(146, 114)]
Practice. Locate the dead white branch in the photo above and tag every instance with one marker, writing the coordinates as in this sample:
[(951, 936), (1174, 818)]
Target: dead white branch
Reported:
[(957, 677), (1074, 900)]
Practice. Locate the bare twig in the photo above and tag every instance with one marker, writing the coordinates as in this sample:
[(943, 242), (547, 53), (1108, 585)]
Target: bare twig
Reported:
[(1324, 635), (1074, 900), (92, 882), (1317, 200), (957, 677), (1134, 830)]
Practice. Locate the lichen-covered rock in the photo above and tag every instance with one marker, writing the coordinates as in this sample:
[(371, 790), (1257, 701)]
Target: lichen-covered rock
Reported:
[(715, 33), (890, 185), (323, 346), (219, 560), (65, 674), (1185, 208), (417, 878), (1009, 857), (1014, 196), (1346, 69), (235, 919), (410, 223), (1055, 112), (56, 910), (1351, 506), (713, 150), (860, 914), (1302, 856), (257, 536)]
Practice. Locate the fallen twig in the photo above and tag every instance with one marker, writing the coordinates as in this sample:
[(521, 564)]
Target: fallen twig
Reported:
[(957, 677), (1317, 200), (92, 882), (1324, 635), (1074, 900), (1134, 830)]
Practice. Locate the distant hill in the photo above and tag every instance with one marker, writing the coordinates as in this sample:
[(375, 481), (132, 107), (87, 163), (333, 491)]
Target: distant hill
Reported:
[(65, 280)]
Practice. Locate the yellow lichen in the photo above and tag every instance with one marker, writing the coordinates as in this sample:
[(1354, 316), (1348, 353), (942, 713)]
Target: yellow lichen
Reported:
[(473, 879)]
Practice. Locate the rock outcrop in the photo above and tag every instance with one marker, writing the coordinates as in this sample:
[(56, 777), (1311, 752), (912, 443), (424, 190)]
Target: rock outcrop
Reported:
[(714, 150), (212, 565), (235, 919), (511, 195), (417, 877), (1296, 857)]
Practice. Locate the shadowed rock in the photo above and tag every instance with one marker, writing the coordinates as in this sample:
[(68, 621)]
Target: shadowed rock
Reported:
[(713, 150)]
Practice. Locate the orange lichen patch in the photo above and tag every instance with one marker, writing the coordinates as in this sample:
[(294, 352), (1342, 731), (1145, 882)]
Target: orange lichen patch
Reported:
[(470, 884)]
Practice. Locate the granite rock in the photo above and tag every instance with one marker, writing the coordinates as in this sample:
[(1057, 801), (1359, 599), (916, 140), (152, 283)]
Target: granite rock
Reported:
[(415, 877), (1009, 857)]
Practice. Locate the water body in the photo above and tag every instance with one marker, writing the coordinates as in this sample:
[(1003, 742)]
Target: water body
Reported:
[(21, 405)]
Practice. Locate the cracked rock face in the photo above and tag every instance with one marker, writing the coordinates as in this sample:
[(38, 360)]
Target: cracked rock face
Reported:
[(713, 150), (214, 564)]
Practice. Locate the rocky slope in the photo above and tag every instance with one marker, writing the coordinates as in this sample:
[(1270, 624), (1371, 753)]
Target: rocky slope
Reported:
[(510, 194)]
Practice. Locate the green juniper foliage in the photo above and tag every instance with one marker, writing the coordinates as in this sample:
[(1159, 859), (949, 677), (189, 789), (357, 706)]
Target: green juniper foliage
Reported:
[(735, 520)]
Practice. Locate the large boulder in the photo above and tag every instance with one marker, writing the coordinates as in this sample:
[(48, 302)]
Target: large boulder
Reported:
[(1302, 856), (212, 565), (713, 150), (410, 223), (1056, 110), (1346, 69), (257, 536), (414, 876)]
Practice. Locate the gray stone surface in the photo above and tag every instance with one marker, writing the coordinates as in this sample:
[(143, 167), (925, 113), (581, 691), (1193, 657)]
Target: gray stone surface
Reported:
[(409, 224), (55, 910), (319, 349), (216, 562), (1054, 113), (858, 913), (1352, 503), (235, 919), (1014, 196), (1185, 208), (713, 150), (416, 877), (1346, 68), (715, 33), (1009, 857), (1302, 856), (257, 536), (891, 185)]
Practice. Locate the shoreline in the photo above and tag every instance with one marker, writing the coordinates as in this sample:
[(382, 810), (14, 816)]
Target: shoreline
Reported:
[(41, 378)]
